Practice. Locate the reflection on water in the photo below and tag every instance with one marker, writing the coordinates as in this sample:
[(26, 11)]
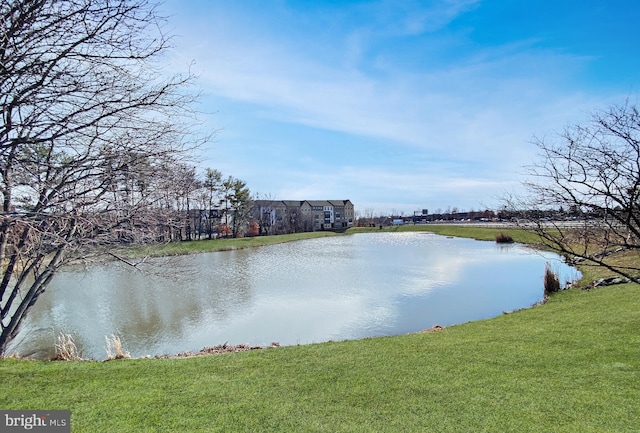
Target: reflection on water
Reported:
[(336, 288)]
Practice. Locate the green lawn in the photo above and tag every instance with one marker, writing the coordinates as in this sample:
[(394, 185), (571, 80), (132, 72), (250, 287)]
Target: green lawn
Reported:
[(475, 232), (570, 365)]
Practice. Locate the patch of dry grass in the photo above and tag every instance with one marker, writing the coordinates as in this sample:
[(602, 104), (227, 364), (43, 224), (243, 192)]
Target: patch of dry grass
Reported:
[(503, 238), (66, 349), (551, 281), (114, 348)]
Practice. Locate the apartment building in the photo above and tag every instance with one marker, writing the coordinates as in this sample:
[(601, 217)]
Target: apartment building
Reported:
[(290, 216)]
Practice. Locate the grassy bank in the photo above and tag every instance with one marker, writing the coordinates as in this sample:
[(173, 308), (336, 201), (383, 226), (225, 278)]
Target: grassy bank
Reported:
[(458, 230), (570, 365)]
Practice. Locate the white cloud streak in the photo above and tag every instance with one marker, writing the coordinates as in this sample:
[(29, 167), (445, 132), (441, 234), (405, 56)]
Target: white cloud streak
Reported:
[(481, 109)]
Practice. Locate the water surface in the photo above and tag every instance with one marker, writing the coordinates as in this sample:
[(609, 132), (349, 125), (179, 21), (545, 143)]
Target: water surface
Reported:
[(343, 287)]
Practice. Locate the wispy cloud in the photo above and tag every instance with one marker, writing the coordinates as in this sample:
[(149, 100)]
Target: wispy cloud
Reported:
[(425, 108), (414, 17), (388, 74), (388, 189)]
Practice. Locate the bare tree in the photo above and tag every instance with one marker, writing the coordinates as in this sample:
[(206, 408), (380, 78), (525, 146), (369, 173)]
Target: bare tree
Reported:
[(89, 124), (591, 173), (265, 212), (205, 197), (295, 220), (184, 184)]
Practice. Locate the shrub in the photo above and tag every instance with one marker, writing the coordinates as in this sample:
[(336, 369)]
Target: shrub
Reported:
[(551, 281), (503, 238)]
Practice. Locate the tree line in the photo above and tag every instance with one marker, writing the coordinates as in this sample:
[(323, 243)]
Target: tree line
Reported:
[(182, 204)]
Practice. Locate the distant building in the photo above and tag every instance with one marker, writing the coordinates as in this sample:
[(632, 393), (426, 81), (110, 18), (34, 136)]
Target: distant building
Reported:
[(291, 216)]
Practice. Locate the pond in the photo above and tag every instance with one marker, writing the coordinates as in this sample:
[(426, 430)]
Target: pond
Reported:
[(336, 288)]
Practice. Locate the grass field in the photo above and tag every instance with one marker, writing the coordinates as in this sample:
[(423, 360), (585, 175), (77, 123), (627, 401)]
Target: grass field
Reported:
[(471, 231), (570, 365)]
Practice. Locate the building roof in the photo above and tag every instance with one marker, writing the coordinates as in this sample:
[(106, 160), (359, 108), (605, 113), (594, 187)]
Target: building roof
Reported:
[(293, 203), (339, 202), (299, 203), (268, 203), (319, 203)]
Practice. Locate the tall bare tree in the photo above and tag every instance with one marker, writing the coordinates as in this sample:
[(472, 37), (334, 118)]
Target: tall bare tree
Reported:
[(88, 124), (264, 212), (591, 172), (184, 184)]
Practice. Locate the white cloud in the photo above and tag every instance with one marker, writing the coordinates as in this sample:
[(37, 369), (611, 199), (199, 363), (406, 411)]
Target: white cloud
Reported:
[(462, 105), (478, 110), (385, 189)]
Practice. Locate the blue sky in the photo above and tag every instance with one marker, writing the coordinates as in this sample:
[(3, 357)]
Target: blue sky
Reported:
[(398, 105)]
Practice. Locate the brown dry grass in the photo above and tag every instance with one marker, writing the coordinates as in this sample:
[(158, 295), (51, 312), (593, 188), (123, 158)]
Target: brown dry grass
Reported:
[(66, 349), (503, 238), (551, 281), (114, 348)]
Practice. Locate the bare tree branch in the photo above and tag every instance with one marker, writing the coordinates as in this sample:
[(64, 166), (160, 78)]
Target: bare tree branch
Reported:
[(90, 128), (592, 172)]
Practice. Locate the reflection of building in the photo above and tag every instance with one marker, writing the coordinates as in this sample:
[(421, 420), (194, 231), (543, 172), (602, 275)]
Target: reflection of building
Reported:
[(290, 216)]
